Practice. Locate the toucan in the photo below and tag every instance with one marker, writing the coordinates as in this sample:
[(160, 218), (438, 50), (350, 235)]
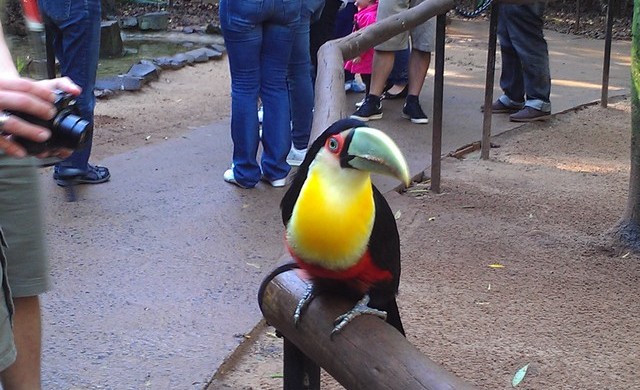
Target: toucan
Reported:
[(339, 227)]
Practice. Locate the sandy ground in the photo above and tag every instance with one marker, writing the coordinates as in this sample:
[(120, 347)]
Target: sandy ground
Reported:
[(538, 207), (178, 102)]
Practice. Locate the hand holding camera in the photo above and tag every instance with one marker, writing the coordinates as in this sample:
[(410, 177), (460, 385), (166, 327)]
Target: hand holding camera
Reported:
[(39, 117)]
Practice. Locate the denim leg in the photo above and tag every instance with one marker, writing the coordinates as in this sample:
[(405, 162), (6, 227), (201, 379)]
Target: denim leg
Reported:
[(511, 79), (276, 125), (344, 20), (322, 31), (243, 40), (300, 86), (526, 54), (400, 73), (77, 42)]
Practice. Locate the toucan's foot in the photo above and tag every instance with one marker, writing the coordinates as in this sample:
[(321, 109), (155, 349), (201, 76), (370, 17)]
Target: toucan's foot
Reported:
[(360, 308), (303, 304)]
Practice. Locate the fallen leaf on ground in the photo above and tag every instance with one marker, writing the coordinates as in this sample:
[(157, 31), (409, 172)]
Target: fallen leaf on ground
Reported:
[(519, 376)]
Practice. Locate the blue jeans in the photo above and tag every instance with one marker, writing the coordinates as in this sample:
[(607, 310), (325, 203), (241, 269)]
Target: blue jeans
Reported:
[(300, 78), (322, 30), (259, 36), (400, 73), (525, 76), (76, 38)]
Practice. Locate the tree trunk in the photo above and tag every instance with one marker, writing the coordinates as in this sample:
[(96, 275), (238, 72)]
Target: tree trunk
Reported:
[(627, 230)]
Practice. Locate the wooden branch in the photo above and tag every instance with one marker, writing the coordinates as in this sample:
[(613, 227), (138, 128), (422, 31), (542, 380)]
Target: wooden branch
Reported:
[(368, 354), (330, 100)]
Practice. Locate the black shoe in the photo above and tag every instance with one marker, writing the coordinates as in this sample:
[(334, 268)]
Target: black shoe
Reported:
[(391, 96), (414, 113), (371, 109), (95, 174)]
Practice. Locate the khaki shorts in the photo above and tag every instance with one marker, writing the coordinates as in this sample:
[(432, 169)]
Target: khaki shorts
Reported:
[(22, 224), (7, 346), (422, 36)]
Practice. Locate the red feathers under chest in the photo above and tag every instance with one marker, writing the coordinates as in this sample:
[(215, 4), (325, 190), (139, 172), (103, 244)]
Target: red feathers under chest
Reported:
[(360, 276)]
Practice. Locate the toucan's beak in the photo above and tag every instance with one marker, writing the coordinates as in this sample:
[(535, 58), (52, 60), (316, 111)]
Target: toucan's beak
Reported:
[(372, 150)]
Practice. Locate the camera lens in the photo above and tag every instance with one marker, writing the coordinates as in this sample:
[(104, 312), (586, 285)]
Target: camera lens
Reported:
[(68, 130), (73, 132)]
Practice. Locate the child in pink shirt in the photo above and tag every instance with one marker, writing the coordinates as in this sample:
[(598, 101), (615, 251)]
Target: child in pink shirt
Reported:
[(366, 15)]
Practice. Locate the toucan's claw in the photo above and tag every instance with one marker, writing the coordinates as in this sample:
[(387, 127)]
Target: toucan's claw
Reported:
[(360, 308), (303, 304)]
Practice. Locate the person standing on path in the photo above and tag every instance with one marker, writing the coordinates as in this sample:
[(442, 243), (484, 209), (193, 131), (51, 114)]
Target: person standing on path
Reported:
[(525, 79), (422, 44), (300, 82), (75, 26), (259, 38)]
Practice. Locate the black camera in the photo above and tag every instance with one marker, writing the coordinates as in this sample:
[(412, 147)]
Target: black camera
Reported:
[(68, 129)]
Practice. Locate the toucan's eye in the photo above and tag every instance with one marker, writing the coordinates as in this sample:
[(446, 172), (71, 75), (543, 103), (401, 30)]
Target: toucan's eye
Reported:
[(333, 144)]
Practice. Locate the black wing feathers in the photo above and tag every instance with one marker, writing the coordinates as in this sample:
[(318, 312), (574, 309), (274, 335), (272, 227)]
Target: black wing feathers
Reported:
[(384, 247)]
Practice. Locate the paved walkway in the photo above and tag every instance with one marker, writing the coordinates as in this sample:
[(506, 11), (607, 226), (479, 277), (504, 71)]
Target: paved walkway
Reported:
[(156, 271)]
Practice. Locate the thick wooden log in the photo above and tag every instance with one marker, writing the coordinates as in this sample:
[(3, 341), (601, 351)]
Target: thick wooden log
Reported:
[(368, 354)]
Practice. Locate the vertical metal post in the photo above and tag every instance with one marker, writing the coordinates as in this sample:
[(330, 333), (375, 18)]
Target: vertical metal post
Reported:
[(50, 52), (438, 91), (488, 87), (300, 372), (604, 99)]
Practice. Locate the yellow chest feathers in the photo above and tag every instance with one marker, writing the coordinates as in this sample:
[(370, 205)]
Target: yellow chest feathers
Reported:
[(332, 218)]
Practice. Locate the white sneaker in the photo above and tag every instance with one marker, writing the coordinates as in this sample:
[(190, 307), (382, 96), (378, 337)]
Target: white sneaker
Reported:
[(296, 156), (276, 183), (229, 177)]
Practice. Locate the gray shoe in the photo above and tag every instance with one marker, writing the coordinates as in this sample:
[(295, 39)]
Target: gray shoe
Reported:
[(500, 108), (296, 156), (529, 114)]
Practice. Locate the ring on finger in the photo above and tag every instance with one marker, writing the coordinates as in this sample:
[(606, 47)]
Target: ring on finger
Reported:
[(4, 117)]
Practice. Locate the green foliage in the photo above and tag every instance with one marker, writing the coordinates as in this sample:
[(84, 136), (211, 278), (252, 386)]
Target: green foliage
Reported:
[(21, 64)]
